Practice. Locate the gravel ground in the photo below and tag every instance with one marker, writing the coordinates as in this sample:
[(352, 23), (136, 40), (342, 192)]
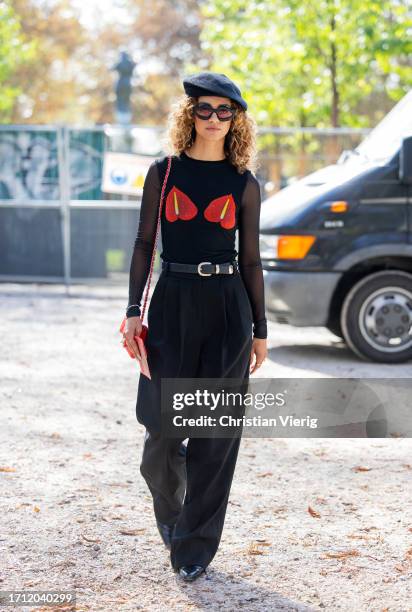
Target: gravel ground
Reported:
[(312, 524)]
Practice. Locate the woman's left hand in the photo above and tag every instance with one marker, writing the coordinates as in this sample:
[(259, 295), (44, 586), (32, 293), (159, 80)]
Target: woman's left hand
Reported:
[(260, 351)]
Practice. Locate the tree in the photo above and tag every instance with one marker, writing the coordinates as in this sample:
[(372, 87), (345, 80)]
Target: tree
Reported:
[(15, 50), (49, 81), (70, 79), (311, 63)]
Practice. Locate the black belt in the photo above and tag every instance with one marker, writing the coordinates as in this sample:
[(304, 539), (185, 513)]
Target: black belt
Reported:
[(204, 268)]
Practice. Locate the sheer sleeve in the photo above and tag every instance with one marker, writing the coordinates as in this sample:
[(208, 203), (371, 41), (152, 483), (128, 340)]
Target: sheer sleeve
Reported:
[(250, 265), (143, 245)]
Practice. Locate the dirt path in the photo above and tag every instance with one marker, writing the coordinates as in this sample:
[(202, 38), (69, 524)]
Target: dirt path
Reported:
[(71, 489)]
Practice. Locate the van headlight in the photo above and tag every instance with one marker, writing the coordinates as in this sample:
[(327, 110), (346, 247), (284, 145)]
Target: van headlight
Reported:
[(285, 246)]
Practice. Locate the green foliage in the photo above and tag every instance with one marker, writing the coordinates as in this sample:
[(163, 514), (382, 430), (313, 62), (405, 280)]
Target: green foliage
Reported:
[(14, 51), (313, 63)]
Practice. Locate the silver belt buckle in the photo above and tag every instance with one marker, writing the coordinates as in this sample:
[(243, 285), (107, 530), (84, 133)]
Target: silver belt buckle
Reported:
[(203, 273), (231, 269)]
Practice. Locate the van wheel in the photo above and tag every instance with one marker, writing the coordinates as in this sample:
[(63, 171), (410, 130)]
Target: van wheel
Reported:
[(376, 317)]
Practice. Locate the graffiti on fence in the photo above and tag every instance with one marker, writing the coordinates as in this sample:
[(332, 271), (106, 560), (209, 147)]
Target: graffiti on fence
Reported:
[(86, 163), (30, 166)]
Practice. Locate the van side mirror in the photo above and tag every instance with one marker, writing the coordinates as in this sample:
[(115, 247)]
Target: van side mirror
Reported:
[(405, 161)]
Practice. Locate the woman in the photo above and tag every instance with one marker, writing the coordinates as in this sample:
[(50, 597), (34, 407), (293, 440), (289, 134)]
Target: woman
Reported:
[(201, 314)]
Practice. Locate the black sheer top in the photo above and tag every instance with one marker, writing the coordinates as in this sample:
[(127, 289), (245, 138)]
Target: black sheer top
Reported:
[(205, 203)]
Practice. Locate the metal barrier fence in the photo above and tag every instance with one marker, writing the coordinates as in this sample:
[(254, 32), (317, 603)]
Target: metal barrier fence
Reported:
[(56, 224)]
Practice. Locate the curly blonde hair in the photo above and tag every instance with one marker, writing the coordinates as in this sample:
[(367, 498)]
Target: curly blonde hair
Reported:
[(240, 141)]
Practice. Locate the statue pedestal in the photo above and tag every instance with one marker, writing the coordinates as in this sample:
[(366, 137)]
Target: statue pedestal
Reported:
[(123, 117)]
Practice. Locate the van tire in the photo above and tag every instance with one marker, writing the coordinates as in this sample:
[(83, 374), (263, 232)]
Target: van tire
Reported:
[(351, 321)]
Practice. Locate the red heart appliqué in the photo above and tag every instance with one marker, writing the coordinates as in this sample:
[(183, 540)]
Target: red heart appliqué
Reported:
[(222, 210), (179, 206)]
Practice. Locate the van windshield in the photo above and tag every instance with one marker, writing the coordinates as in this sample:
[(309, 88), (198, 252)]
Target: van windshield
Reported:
[(382, 143)]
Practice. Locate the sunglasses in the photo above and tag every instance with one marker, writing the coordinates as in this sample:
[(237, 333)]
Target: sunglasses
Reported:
[(203, 110)]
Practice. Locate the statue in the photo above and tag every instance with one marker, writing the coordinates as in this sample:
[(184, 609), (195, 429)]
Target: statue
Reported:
[(125, 67)]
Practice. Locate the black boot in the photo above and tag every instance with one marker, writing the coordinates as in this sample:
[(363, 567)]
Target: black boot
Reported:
[(190, 572), (166, 533)]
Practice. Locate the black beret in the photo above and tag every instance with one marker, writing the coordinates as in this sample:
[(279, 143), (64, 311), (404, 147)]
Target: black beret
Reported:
[(212, 84)]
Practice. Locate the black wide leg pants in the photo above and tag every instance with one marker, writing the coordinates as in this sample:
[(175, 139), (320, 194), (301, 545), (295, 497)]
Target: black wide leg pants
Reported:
[(199, 327)]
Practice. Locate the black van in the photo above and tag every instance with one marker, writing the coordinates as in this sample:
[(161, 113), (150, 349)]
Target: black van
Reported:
[(336, 246)]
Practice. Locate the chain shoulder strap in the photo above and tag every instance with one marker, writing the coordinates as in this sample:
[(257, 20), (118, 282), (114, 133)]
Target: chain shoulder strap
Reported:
[(169, 161)]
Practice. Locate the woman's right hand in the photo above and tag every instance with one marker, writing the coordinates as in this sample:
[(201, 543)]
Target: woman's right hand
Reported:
[(132, 328)]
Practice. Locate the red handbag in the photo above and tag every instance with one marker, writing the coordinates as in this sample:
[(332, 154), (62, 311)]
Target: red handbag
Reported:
[(141, 338)]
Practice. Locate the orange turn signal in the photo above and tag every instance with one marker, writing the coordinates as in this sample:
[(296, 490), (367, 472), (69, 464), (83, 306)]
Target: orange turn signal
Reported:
[(339, 206), (294, 247)]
